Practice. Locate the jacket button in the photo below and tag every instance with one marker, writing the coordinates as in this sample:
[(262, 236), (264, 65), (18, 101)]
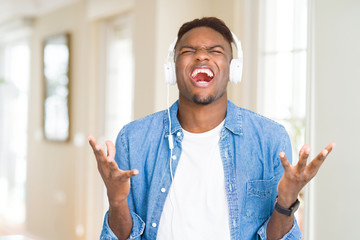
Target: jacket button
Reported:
[(153, 225), (163, 190)]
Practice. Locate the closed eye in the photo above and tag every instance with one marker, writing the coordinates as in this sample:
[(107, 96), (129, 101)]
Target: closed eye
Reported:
[(186, 50), (216, 51)]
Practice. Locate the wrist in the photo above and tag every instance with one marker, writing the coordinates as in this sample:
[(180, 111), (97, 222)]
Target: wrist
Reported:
[(117, 203), (288, 211), (286, 202)]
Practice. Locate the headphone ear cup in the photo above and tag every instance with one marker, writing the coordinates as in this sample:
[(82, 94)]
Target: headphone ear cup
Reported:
[(235, 74), (170, 75)]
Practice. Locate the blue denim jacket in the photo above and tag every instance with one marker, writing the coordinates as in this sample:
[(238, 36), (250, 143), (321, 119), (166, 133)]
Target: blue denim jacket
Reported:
[(249, 145)]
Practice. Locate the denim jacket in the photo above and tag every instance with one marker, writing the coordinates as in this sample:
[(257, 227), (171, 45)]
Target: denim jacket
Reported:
[(249, 146)]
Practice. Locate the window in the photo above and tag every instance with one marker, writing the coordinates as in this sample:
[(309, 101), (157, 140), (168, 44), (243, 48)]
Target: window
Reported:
[(14, 82), (119, 78), (282, 67)]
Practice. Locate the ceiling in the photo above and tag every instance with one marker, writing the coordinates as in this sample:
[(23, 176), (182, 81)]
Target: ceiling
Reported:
[(10, 9)]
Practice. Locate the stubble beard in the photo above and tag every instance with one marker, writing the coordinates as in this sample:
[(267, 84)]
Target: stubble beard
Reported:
[(203, 100)]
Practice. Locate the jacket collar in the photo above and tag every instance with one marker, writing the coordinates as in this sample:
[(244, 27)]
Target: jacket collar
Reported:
[(233, 119), (175, 125)]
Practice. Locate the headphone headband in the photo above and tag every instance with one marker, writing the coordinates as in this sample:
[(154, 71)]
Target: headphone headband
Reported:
[(237, 45)]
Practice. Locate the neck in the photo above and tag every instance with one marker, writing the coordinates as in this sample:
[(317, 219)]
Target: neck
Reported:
[(197, 118)]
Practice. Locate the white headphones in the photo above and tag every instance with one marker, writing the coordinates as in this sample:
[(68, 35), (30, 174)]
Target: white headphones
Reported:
[(236, 64)]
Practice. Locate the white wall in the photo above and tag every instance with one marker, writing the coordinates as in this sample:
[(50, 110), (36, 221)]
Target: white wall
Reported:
[(336, 117), (55, 189)]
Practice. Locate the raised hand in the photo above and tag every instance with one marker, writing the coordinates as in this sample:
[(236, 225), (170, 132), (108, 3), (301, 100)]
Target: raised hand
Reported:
[(117, 181), (296, 177)]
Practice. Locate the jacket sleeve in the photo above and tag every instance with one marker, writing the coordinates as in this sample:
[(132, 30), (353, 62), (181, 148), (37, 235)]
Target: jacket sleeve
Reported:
[(122, 160), (293, 234), (137, 229), (284, 146)]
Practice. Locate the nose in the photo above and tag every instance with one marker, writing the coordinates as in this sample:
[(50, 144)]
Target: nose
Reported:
[(202, 54)]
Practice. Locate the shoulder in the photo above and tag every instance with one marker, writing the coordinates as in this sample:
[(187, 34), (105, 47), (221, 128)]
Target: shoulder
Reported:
[(255, 123), (266, 132), (258, 120), (151, 122)]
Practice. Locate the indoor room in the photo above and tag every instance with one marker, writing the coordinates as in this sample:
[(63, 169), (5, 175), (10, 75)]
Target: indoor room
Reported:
[(300, 69)]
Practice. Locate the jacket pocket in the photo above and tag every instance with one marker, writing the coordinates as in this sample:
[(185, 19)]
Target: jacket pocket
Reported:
[(258, 202)]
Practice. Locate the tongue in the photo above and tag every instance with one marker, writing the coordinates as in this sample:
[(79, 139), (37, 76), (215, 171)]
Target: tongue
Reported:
[(202, 77)]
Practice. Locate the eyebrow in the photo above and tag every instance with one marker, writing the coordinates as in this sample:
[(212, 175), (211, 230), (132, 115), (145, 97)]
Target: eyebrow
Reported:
[(181, 48), (209, 48), (216, 46)]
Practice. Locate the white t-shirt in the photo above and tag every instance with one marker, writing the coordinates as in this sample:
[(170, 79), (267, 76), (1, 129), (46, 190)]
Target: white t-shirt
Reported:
[(196, 206)]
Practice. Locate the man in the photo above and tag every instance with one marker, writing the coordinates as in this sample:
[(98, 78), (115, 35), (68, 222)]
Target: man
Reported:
[(226, 170)]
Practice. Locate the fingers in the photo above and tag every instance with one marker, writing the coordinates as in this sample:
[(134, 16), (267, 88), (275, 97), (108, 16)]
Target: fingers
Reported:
[(102, 161), (111, 156), (110, 149), (92, 142), (106, 163), (325, 152), (315, 164), (122, 174), (131, 173), (98, 151), (330, 147), (284, 162), (295, 178), (303, 156)]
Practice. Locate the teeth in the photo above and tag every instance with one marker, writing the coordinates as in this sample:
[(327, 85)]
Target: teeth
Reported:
[(202, 70)]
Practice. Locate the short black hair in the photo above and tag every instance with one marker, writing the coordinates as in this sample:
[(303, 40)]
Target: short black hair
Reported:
[(211, 22)]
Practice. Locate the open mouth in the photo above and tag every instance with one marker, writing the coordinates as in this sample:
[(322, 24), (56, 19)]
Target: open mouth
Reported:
[(202, 75)]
